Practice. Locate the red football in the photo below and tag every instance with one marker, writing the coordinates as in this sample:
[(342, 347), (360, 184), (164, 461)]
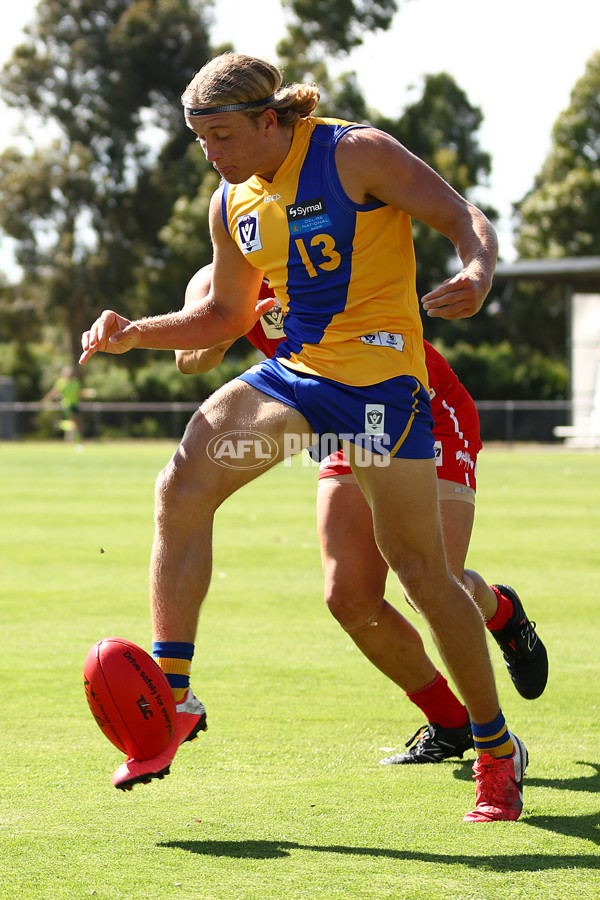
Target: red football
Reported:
[(129, 697)]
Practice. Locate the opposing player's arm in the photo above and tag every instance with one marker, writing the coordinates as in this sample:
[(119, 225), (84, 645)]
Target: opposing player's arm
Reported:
[(372, 164), (190, 362)]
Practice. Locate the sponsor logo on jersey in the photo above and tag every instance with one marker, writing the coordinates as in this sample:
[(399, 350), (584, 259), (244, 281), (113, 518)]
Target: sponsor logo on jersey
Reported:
[(374, 418), (249, 233), (309, 216), (272, 198), (384, 339)]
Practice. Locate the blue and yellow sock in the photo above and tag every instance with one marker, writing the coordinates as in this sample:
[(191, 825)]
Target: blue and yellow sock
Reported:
[(493, 738), (175, 659)]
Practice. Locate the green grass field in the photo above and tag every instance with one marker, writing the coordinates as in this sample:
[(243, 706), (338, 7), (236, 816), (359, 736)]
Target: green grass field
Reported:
[(283, 798)]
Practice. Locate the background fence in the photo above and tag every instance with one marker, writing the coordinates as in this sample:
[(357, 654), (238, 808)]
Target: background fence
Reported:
[(510, 421)]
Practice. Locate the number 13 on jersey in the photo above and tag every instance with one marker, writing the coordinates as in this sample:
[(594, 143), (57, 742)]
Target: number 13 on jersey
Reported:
[(330, 258)]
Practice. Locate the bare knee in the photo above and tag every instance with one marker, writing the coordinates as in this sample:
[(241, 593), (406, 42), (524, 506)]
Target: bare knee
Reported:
[(426, 583), (353, 608), (434, 592), (183, 490)]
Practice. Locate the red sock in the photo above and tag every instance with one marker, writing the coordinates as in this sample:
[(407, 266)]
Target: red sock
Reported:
[(502, 614), (439, 704)]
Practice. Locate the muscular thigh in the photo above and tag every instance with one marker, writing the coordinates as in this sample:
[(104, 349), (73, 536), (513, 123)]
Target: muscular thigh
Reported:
[(237, 434), (403, 497)]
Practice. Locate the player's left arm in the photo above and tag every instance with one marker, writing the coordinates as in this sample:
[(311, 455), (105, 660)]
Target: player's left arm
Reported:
[(372, 164)]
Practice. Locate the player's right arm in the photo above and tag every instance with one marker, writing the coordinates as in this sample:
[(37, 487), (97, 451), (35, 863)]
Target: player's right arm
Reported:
[(373, 164)]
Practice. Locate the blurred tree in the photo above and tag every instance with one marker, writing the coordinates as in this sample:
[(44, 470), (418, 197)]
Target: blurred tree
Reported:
[(560, 216), (104, 80), (319, 29)]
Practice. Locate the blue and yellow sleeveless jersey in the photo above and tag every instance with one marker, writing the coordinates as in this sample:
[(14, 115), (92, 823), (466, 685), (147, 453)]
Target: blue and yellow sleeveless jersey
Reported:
[(343, 272)]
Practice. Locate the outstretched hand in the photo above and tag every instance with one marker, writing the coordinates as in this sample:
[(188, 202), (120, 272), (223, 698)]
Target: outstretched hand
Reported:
[(456, 298), (110, 333)]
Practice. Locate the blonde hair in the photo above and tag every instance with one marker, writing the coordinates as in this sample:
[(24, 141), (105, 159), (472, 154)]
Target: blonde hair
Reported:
[(235, 78)]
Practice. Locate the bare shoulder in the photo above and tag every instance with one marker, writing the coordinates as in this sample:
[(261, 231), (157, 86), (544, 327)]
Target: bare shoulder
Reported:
[(366, 158), (219, 231), (370, 145)]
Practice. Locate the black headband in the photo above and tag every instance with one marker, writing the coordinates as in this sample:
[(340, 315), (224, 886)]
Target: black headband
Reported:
[(229, 107)]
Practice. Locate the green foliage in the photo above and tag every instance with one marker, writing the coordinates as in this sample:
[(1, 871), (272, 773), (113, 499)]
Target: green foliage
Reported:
[(85, 210), (560, 216), (109, 379), (506, 371), (441, 127), (529, 313), (342, 97), (160, 380), (23, 362), (184, 244), (157, 378), (333, 26)]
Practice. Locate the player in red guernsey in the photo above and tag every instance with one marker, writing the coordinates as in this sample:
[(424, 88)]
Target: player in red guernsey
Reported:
[(355, 572)]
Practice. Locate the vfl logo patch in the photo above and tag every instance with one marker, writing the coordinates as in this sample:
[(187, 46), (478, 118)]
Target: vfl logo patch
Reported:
[(272, 324), (374, 418), (249, 233), (309, 216)]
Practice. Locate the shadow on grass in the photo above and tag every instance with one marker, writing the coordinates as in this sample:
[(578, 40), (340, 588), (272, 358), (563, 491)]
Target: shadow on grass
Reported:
[(584, 827), (587, 783), (281, 849)]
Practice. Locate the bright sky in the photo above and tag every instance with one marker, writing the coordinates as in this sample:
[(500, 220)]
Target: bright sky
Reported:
[(517, 60)]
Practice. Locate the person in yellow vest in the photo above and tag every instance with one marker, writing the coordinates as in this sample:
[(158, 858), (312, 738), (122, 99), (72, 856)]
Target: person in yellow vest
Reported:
[(67, 390), (322, 209)]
